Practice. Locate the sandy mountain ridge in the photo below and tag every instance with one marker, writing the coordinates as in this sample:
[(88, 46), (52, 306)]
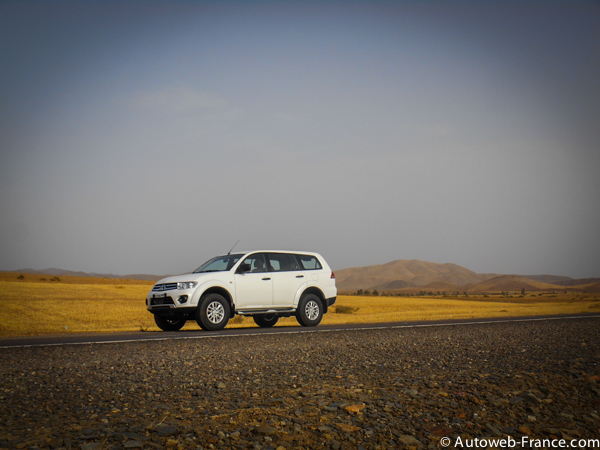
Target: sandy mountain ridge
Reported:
[(415, 276), (406, 273)]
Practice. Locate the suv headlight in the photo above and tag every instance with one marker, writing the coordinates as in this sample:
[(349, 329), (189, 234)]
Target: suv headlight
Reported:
[(187, 285)]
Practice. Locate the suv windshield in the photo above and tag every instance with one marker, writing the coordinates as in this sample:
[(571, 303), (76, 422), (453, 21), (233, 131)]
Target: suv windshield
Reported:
[(219, 264)]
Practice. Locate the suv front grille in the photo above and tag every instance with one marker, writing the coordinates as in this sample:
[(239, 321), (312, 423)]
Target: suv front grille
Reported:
[(164, 287), (161, 301)]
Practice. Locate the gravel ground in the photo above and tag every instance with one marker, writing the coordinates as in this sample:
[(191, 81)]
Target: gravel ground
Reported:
[(377, 389)]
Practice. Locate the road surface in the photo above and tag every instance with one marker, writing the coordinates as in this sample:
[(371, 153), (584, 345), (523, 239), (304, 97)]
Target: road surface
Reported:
[(104, 338)]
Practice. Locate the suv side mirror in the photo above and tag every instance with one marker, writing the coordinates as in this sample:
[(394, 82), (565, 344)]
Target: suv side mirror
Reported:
[(243, 268)]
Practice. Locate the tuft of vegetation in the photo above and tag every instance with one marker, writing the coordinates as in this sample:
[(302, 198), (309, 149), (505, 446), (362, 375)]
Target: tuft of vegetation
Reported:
[(21, 277), (343, 309), (237, 319), (56, 279)]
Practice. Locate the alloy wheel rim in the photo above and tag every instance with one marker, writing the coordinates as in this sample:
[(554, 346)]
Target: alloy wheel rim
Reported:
[(215, 312), (312, 310)]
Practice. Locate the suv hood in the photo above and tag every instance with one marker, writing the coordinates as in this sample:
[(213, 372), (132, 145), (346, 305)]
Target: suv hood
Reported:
[(187, 277)]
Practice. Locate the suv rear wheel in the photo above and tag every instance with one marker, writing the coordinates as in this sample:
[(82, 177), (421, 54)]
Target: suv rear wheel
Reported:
[(265, 320), (213, 312), (310, 311), (169, 323)]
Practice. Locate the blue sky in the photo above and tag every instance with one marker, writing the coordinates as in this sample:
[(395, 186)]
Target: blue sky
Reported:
[(146, 137)]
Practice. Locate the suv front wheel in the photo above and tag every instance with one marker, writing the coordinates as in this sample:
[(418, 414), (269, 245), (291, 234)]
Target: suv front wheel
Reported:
[(213, 312), (310, 311)]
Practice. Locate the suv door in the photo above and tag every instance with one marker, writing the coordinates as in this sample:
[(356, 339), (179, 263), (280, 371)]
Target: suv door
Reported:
[(253, 289), (310, 266), (287, 278)]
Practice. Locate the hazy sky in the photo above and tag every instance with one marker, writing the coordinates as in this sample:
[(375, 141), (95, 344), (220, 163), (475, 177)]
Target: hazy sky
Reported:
[(147, 137)]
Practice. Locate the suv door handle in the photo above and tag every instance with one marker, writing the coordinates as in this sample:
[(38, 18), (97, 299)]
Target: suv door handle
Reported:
[(266, 278), (299, 276)]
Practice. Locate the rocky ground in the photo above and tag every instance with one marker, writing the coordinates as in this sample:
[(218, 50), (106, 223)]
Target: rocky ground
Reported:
[(403, 388)]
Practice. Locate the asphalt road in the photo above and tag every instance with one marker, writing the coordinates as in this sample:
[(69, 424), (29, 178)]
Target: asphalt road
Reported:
[(104, 338)]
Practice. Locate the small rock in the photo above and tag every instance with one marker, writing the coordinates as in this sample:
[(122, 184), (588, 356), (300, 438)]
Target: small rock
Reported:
[(492, 429), (528, 396), (354, 409), (221, 385), (525, 430), (440, 431), (266, 430), (133, 444), (165, 429), (347, 428), (511, 431), (500, 402), (338, 405), (91, 446), (410, 441)]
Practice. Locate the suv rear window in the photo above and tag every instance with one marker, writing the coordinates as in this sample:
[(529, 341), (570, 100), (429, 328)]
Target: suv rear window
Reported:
[(309, 262)]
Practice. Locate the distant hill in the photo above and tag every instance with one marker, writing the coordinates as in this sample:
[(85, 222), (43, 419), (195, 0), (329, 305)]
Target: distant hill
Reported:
[(578, 282), (550, 279), (413, 276), (514, 283), (441, 286), (406, 273), (70, 273)]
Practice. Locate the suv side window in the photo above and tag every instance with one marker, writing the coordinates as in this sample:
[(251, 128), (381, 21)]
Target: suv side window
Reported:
[(295, 265), (280, 262), (256, 262), (308, 262)]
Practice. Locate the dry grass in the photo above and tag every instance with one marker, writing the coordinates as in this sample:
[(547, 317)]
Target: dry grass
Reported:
[(56, 308), (392, 309), (72, 305)]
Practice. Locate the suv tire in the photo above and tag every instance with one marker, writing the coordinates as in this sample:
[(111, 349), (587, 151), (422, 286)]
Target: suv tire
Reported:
[(265, 320), (310, 311), (169, 323), (213, 312)]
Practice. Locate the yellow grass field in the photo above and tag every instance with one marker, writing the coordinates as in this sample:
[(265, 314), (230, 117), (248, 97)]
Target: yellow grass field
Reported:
[(31, 306)]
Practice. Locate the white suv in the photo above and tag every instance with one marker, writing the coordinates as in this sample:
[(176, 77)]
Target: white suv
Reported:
[(264, 284)]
